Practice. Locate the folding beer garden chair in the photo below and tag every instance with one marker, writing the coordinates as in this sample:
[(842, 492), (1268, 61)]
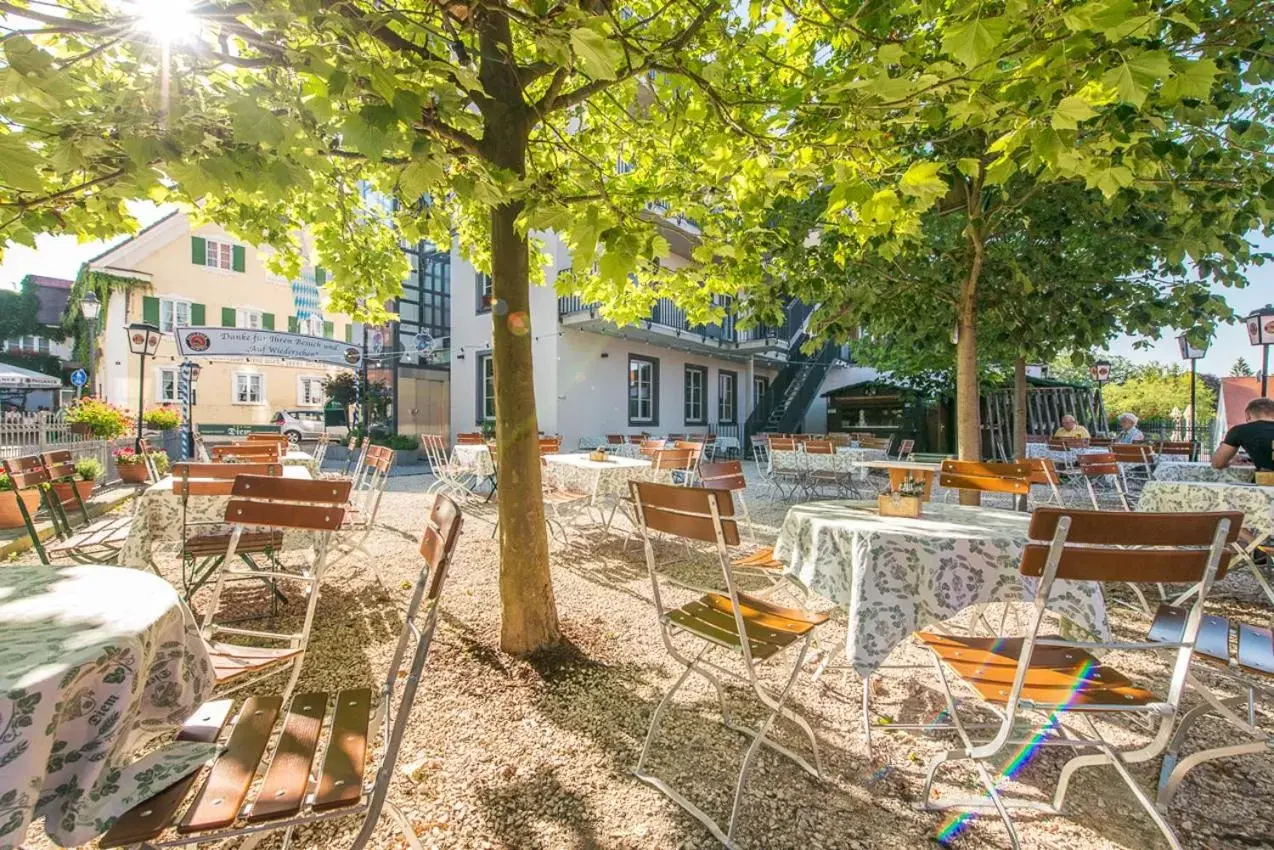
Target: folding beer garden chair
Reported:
[(287, 797), (1011, 478), (785, 466), (255, 452), (1136, 464), (1103, 469), (93, 542), (730, 625), (1046, 690), (364, 505), (1044, 474)]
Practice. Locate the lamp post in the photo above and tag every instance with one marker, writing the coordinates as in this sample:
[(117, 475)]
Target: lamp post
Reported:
[(1260, 331), (1100, 372), (90, 309), (192, 380), (143, 340), (1191, 353)]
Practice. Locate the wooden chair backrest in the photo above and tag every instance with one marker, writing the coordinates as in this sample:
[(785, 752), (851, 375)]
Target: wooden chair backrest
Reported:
[(26, 471), (675, 459), (550, 445), (439, 542), (820, 447), (380, 458), (841, 439), (1057, 444), (1130, 547), (875, 442), (928, 457), (636, 439), (649, 447), (685, 511), (1043, 470), (225, 471), (277, 439), (255, 451), (288, 502), (1176, 448), (986, 477), (472, 438), (905, 447), (1132, 452), (60, 464), (1097, 464), (726, 474), (674, 438), (1100, 441), (615, 439), (1036, 438), (782, 444)]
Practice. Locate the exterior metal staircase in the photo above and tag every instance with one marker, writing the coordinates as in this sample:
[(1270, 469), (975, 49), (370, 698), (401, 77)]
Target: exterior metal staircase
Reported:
[(793, 390)]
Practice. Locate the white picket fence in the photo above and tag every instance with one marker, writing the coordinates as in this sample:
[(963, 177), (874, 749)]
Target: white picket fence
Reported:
[(32, 433)]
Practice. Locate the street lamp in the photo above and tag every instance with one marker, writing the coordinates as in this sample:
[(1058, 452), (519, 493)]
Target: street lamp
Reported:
[(143, 340), (1260, 331), (1100, 372), (192, 380), (90, 309), (1191, 353)]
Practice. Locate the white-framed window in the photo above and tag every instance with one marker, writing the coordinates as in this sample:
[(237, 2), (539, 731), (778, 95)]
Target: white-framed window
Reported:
[(486, 388), (218, 255), (249, 388), (246, 318), (727, 396), (309, 390), (313, 326), (166, 379), (173, 313), (696, 391), (643, 382)]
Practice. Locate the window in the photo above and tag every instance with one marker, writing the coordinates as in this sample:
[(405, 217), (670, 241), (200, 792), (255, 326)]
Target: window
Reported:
[(312, 325), (643, 390), (173, 314), (166, 384), (727, 396), (42, 344), (218, 255), (486, 388), (696, 395), (484, 287), (309, 390), (760, 387), (248, 319), (249, 388)]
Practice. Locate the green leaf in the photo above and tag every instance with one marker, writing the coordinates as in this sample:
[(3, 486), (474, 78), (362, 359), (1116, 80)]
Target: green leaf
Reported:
[(1133, 79), (1193, 81), (968, 166), (598, 56), (18, 165), (1070, 112), (922, 181), (972, 42), (421, 176)]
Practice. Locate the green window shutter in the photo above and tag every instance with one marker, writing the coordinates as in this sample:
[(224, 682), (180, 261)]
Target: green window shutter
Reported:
[(320, 276), (198, 251), (267, 321), (349, 332), (198, 315), (329, 330), (238, 258), (227, 317), (294, 326), (150, 310)]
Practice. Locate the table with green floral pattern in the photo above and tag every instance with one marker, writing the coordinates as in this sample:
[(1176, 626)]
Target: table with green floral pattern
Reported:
[(1171, 470), (895, 575), (95, 662), (1256, 503), (474, 457), (296, 457), (602, 480), (157, 518)]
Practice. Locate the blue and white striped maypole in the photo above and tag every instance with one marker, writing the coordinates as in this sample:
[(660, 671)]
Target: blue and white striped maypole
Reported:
[(183, 396)]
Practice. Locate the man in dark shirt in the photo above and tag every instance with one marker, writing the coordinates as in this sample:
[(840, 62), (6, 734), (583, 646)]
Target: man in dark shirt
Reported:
[(1255, 436)]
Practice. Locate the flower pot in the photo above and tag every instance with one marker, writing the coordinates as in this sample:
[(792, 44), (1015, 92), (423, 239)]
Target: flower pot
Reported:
[(81, 429), (10, 515), (132, 473), (67, 498)]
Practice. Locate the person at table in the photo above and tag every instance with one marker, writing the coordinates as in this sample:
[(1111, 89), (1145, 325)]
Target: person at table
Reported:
[(1071, 429), (1255, 436), (1128, 430)]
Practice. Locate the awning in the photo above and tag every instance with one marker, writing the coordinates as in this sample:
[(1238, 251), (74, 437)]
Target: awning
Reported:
[(17, 378)]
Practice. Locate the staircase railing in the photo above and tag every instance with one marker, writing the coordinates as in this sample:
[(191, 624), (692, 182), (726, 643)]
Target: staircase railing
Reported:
[(804, 390)]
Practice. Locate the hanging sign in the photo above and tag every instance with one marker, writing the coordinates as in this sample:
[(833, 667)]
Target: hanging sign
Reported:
[(203, 343), (1260, 329)]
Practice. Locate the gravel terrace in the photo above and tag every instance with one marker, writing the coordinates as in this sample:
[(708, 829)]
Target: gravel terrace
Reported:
[(538, 753)]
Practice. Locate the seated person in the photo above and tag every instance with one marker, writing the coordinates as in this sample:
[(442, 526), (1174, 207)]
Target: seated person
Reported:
[(1255, 436), (1128, 430), (1071, 429)]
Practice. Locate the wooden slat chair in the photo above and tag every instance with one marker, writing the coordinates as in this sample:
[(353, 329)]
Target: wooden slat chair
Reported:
[(1101, 441), (296, 787), (246, 453), (1047, 690), (841, 440), (649, 447), (696, 450), (364, 504), (203, 544), (1011, 478), (28, 474), (550, 445), (1177, 450), (79, 537), (1044, 474), (562, 505), (1136, 464), (718, 628), (882, 443), (785, 469), (152, 471), (320, 449), (278, 440), (470, 438), (452, 478), (1103, 469), (259, 504), (354, 450), (615, 439), (837, 476), (905, 448), (1243, 655)]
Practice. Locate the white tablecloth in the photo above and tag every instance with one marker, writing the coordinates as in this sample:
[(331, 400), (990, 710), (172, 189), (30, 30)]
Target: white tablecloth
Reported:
[(158, 519), (601, 479), (1062, 457), (896, 575), (296, 457), (475, 458), (94, 662), (1172, 470), (1256, 503)]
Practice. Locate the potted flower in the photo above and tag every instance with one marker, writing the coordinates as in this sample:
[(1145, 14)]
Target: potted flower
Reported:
[(161, 418), (95, 418), (159, 458), (132, 466), (89, 470), (10, 514)]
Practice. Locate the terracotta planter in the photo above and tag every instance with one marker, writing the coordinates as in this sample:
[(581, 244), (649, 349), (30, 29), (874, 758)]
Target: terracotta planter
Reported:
[(81, 429), (68, 499), (132, 473), (10, 516)]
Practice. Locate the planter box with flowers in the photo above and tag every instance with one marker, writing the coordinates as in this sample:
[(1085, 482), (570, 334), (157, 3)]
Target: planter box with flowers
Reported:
[(10, 513), (92, 417)]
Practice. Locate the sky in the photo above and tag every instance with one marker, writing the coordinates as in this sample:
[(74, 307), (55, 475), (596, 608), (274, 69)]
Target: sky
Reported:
[(61, 256)]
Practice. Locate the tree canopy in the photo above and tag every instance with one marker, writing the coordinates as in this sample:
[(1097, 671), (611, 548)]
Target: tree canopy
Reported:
[(1154, 391)]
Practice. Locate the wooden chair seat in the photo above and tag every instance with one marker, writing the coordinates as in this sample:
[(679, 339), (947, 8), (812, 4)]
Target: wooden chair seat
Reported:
[(216, 542), (284, 791), (232, 660), (769, 627), (109, 533), (761, 559), (1058, 676), (1253, 646), (563, 497)]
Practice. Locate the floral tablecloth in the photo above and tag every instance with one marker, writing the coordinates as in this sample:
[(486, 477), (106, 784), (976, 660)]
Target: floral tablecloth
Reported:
[(296, 457), (94, 662), (1256, 503), (475, 458), (1060, 457), (602, 480), (158, 519), (896, 575), (1168, 470), (845, 460)]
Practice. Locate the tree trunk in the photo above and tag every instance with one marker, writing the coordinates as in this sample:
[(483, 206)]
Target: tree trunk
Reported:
[(968, 412), (528, 611), (1019, 408)]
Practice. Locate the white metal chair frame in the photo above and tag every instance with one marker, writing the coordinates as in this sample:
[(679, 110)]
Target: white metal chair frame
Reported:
[(365, 499), (724, 528), (1159, 716)]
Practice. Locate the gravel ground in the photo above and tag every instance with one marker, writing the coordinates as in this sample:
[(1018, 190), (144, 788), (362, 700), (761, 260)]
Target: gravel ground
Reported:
[(538, 753)]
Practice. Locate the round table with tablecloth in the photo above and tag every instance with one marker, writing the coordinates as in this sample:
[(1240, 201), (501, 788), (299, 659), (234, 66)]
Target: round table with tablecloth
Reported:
[(95, 662), (474, 457), (895, 575), (1171, 470), (1256, 503), (602, 480)]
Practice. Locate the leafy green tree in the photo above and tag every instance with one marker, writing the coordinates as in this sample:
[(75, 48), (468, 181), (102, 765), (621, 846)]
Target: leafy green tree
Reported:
[(1155, 391), (1241, 369)]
